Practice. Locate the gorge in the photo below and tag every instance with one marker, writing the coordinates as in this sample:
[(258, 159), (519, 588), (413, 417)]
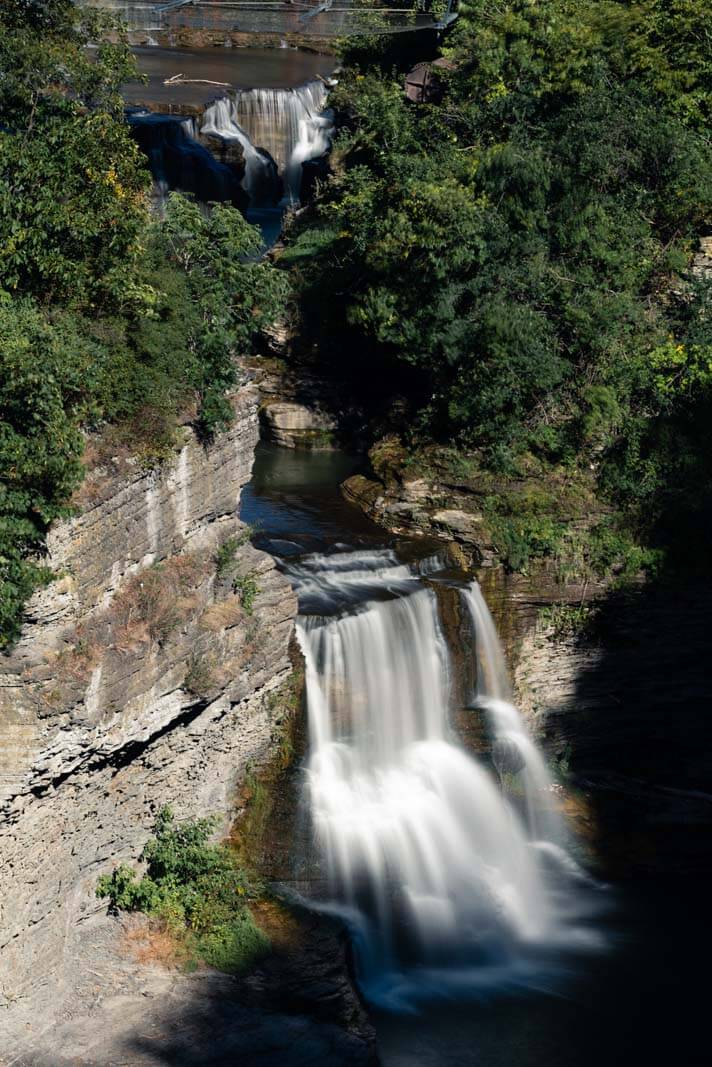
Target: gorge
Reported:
[(323, 541)]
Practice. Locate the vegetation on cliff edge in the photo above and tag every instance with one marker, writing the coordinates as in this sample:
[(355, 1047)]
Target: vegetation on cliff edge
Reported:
[(196, 890), (507, 267), (106, 315)]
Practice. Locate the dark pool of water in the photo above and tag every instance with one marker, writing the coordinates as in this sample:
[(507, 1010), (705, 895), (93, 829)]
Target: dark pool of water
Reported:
[(294, 501), (644, 1003), (240, 68)]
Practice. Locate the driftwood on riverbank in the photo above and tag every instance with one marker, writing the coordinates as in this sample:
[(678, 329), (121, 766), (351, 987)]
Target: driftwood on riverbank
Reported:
[(180, 79)]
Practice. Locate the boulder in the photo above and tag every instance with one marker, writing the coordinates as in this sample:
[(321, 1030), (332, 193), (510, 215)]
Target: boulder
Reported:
[(463, 525)]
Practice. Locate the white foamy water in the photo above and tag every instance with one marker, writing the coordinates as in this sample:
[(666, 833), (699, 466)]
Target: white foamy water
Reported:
[(448, 885), (291, 125)]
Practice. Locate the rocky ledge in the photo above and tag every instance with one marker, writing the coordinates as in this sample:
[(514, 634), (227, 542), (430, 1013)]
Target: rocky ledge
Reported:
[(144, 677), (129, 1005)]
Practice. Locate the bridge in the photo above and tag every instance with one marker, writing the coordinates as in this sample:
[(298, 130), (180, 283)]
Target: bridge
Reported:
[(319, 18)]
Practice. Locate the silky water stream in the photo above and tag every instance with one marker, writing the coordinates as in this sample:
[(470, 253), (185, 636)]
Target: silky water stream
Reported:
[(489, 959), (450, 868)]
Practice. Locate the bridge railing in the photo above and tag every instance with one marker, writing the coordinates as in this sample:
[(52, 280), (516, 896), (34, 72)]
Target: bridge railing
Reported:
[(322, 18)]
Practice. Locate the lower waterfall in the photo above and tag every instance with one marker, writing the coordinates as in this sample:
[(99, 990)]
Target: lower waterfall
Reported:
[(450, 882)]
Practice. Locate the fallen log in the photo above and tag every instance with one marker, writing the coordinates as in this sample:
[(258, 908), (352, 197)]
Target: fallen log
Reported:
[(180, 79)]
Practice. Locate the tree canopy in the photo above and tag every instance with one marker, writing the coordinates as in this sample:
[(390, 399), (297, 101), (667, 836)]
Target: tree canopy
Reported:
[(106, 314), (512, 259)]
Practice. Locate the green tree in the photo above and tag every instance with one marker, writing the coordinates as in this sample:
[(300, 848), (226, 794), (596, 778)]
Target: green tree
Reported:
[(106, 314), (510, 262), (234, 292), (72, 182), (46, 377)]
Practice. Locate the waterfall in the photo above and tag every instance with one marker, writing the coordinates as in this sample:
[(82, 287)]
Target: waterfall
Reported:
[(443, 879), (513, 749), (282, 127)]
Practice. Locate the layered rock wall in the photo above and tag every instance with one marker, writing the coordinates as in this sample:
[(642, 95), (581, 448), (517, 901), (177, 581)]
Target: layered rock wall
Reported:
[(142, 678)]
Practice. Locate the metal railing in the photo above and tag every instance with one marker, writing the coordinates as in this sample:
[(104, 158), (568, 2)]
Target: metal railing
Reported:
[(324, 18)]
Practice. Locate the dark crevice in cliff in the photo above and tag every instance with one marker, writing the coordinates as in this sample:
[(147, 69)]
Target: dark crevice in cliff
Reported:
[(128, 753)]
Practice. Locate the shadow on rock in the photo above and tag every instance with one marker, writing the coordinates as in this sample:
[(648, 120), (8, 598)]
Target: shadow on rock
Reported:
[(297, 1008), (638, 733)]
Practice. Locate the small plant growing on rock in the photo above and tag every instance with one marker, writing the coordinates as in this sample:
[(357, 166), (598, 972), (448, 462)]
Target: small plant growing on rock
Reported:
[(225, 557), (201, 676), (246, 587), (197, 892), (564, 621), (225, 561), (154, 602)]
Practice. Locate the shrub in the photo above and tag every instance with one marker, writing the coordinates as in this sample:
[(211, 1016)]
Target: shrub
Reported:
[(201, 676), (195, 889), (247, 589), (155, 601)]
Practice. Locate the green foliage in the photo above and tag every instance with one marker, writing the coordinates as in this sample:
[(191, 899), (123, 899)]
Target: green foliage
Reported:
[(225, 561), (46, 374), (225, 557), (72, 181), (105, 315), (499, 257), (197, 889), (246, 587), (566, 620), (523, 529), (233, 297)]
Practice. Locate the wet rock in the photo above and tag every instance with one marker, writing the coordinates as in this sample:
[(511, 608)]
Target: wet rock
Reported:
[(228, 152), (314, 171), (295, 425), (177, 161)]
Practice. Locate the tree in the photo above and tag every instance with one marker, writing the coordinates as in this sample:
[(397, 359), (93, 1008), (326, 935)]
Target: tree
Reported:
[(507, 262), (234, 292), (72, 182)]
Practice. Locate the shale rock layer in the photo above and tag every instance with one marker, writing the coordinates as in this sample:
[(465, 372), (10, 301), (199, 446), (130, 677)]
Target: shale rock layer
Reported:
[(143, 678)]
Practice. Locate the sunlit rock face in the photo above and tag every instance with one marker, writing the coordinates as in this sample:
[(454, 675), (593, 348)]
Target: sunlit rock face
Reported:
[(139, 681), (453, 880), (298, 426)]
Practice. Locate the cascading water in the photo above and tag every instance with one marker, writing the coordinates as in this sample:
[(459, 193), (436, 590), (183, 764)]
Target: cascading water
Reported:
[(513, 749), (282, 127), (448, 883)]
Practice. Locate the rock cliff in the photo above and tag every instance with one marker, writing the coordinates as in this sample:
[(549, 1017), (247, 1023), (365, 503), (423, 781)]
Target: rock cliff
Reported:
[(142, 678)]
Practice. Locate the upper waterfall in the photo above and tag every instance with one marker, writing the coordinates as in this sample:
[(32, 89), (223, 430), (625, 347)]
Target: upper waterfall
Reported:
[(448, 881), (282, 127)]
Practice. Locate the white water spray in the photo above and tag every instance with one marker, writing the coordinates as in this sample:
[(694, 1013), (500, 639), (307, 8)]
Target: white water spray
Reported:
[(513, 748), (440, 875)]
